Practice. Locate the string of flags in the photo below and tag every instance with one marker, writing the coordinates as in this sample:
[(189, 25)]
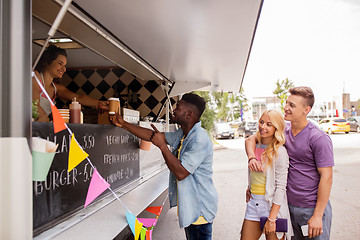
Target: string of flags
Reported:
[(140, 227)]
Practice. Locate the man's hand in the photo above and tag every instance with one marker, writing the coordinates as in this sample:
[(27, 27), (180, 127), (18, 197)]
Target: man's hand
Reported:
[(117, 120), (255, 165), (315, 226), (158, 138)]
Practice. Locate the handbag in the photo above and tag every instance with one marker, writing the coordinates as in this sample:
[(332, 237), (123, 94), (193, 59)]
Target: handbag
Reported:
[(281, 224)]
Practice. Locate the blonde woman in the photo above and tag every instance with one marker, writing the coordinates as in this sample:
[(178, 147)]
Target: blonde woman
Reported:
[(267, 181)]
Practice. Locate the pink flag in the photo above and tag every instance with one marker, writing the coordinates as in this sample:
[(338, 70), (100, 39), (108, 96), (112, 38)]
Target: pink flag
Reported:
[(148, 222), (97, 186)]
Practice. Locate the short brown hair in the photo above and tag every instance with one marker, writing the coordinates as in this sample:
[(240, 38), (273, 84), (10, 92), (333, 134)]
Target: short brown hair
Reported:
[(304, 92)]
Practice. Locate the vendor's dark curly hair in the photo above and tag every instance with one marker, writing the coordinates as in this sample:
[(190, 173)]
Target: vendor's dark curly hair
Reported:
[(49, 55)]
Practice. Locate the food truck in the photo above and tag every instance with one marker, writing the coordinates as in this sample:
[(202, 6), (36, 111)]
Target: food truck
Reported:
[(147, 54)]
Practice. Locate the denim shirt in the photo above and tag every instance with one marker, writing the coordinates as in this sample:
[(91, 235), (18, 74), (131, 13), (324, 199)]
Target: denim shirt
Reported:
[(197, 195)]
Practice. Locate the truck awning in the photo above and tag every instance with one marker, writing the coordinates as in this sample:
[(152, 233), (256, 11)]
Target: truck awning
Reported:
[(196, 44)]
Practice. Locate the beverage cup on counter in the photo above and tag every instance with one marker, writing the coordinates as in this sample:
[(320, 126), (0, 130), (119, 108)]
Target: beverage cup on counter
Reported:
[(66, 119), (65, 114), (145, 145), (114, 106)]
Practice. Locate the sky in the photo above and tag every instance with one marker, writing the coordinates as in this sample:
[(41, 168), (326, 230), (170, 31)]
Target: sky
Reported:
[(313, 43)]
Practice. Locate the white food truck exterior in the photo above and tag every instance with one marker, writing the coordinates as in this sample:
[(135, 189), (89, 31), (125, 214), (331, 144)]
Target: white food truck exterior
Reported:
[(179, 45)]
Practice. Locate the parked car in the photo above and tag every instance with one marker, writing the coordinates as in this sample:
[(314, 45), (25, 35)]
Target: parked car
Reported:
[(223, 130), (247, 128), (333, 125), (354, 124)]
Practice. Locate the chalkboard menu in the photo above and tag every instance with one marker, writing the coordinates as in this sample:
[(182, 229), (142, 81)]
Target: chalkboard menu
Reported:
[(112, 150)]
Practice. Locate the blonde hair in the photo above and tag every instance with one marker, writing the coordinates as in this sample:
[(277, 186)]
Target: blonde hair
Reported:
[(271, 151)]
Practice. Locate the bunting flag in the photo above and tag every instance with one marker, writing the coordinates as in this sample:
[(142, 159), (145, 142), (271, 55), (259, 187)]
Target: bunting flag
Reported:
[(155, 210), (97, 186), (138, 229), (58, 121), (149, 234), (148, 222), (143, 233), (76, 154), (134, 225), (131, 221)]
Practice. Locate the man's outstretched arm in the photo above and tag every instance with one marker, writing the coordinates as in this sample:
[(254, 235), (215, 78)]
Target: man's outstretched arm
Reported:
[(253, 164), (141, 132)]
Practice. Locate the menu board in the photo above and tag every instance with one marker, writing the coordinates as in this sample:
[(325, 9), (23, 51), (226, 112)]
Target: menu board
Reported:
[(113, 151)]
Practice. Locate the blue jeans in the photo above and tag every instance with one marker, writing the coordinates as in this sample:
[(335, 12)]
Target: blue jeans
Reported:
[(199, 232), (300, 216)]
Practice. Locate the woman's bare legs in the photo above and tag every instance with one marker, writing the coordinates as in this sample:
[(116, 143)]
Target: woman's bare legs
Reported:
[(250, 230)]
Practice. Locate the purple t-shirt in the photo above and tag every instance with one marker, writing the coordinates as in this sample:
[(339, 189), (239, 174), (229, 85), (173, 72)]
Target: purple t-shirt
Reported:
[(310, 149)]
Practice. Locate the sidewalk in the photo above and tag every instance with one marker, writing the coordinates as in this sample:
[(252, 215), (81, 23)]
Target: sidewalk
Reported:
[(230, 178)]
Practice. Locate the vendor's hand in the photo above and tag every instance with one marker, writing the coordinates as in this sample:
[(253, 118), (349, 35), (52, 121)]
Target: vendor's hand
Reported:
[(102, 106), (315, 226), (117, 120), (269, 227), (255, 165), (158, 138), (248, 195)]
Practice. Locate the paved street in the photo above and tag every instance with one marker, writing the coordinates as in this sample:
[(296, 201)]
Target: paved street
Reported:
[(230, 177)]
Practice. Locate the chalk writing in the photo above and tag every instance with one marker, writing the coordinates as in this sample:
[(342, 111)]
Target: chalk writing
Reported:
[(120, 174)]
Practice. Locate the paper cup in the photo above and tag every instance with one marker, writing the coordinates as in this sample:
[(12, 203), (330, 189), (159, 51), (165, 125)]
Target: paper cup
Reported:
[(66, 119), (38, 144), (41, 164), (64, 111), (114, 105), (145, 145)]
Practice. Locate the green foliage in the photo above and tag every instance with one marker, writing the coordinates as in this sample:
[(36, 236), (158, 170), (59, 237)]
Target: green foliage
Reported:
[(281, 91), (208, 117), (221, 101), (35, 112), (221, 106)]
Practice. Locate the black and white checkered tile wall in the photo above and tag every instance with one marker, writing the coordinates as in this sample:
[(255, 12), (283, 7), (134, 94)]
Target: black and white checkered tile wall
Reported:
[(146, 97)]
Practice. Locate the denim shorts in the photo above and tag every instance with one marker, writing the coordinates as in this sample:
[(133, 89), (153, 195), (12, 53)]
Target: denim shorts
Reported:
[(300, 216), (257, 207)]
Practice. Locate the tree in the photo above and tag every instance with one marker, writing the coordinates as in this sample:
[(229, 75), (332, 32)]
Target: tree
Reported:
[(208, 117), (281, 91), (221, 100), (238, 104), (221, 106)]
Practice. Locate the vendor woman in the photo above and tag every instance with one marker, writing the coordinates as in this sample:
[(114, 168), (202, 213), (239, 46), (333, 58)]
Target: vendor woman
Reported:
[(52, 65)]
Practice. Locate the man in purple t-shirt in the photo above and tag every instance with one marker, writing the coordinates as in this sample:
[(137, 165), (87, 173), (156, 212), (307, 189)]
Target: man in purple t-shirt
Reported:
[(310, 169)]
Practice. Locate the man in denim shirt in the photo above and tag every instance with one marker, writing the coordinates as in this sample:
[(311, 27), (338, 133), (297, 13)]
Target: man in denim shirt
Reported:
[(190, 163)]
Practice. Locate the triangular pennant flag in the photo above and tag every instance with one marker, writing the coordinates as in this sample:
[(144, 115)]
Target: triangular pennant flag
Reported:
[(143, 233), (76, 154), (138, 227), (149, 234), (58, 121), (148, 222), (131, 221), (155, 210), (97, 186)]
